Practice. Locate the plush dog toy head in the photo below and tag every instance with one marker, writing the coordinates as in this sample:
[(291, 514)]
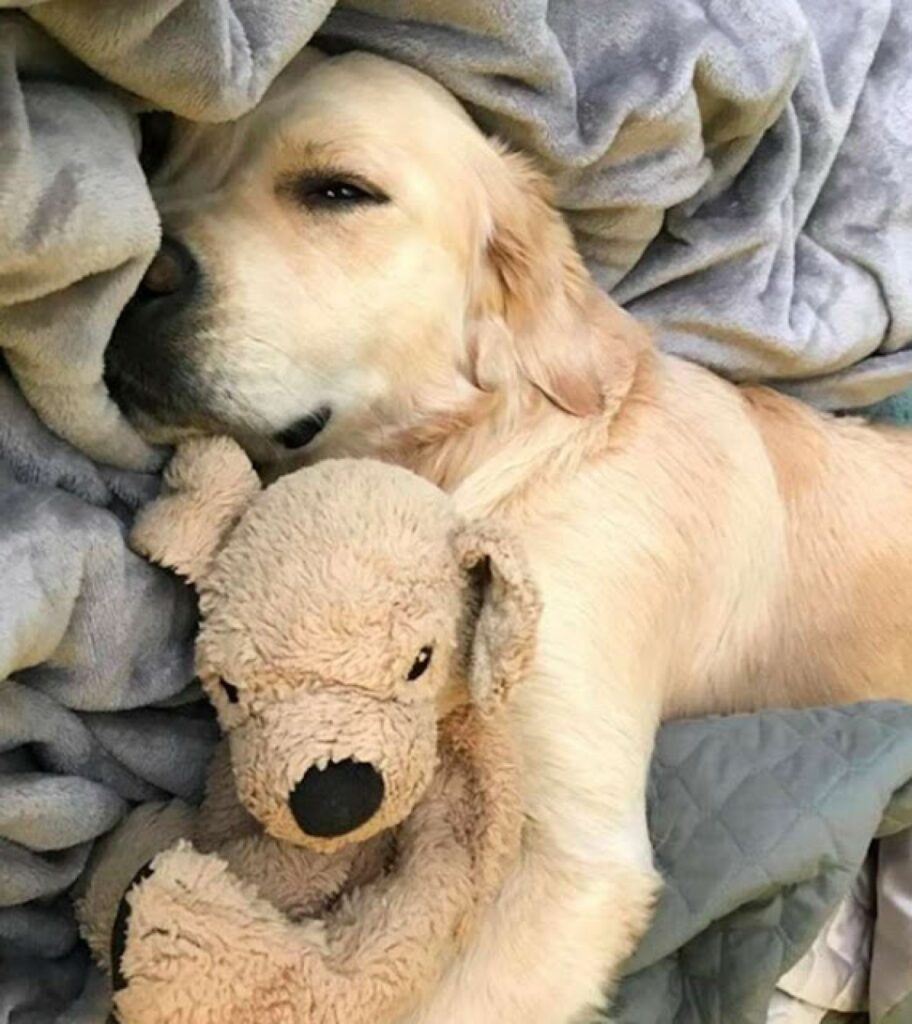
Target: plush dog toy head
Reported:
[(345, 609)]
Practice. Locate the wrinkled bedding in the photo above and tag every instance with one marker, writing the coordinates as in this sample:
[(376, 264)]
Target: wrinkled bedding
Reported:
[(762, 826), (860, 963), (739, 175)]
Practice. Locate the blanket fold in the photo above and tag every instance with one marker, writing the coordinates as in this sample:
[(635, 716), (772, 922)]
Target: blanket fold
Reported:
[(90, 637)]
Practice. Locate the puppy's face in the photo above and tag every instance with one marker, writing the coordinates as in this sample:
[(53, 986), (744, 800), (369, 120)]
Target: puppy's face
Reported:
[(317, 260)]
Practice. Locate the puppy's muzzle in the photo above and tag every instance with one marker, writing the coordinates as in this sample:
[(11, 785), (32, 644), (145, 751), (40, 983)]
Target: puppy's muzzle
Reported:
[(337, 799)]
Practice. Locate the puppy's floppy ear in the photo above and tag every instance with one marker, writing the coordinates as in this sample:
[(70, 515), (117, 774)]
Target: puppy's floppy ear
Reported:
[(504, 609), (207, 486), (535, 305)]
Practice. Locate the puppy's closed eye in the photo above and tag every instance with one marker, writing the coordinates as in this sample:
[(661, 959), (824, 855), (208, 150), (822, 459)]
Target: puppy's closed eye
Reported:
[(333, 191)]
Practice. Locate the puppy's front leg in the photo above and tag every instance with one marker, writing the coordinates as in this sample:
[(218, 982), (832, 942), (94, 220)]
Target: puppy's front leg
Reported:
[(551, 948), (580, 897)]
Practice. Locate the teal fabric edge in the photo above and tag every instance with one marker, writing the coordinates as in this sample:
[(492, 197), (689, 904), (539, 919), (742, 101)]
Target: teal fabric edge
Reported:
[(684, 986), (897, 409)]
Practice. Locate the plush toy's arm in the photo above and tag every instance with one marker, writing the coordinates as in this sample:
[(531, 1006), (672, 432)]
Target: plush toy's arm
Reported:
[(478, 745), (204, 947), (457, 848), (144, 833), (389, 941), (299, 882)]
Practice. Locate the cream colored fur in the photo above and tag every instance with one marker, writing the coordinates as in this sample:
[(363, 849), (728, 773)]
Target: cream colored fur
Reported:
[(699, 547)]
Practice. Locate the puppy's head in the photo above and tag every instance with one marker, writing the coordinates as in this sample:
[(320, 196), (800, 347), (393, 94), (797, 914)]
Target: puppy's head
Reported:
[(350, 259)]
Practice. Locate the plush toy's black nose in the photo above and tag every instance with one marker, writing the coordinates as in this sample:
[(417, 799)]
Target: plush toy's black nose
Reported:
[(150, 362), (338, 799)]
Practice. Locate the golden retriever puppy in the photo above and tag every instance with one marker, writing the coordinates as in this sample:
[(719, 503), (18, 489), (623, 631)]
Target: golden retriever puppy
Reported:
[(354, 268)]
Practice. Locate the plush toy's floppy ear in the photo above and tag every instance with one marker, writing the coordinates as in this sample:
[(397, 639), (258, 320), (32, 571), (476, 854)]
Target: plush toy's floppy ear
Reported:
[(504, 613), (207, 486)]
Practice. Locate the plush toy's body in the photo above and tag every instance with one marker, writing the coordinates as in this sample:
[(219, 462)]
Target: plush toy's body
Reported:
[(357, 641)]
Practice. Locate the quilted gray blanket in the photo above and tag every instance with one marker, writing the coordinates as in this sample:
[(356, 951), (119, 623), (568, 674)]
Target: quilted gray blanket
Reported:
[(738, 174)]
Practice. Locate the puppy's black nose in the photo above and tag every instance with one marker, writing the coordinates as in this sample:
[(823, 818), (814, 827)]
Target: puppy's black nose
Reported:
[(337, 800), (150, 359), (172, 272)]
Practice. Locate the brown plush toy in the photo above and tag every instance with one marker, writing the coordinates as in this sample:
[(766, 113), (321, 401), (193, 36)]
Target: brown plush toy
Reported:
[(358, 641)]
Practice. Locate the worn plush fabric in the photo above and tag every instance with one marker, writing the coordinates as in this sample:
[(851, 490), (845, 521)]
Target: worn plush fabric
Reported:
[(737, 173), (383, 945)]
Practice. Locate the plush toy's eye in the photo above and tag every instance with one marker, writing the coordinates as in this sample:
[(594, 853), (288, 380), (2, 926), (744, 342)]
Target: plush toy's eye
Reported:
[(421, 663), (231, 692)]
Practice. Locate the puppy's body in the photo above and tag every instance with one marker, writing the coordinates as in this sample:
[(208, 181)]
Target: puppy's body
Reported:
[(704, 549), (699, 547), (762, 548)]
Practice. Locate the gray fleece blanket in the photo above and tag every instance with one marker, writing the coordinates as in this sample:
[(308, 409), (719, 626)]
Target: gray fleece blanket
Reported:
[(738, 174)]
